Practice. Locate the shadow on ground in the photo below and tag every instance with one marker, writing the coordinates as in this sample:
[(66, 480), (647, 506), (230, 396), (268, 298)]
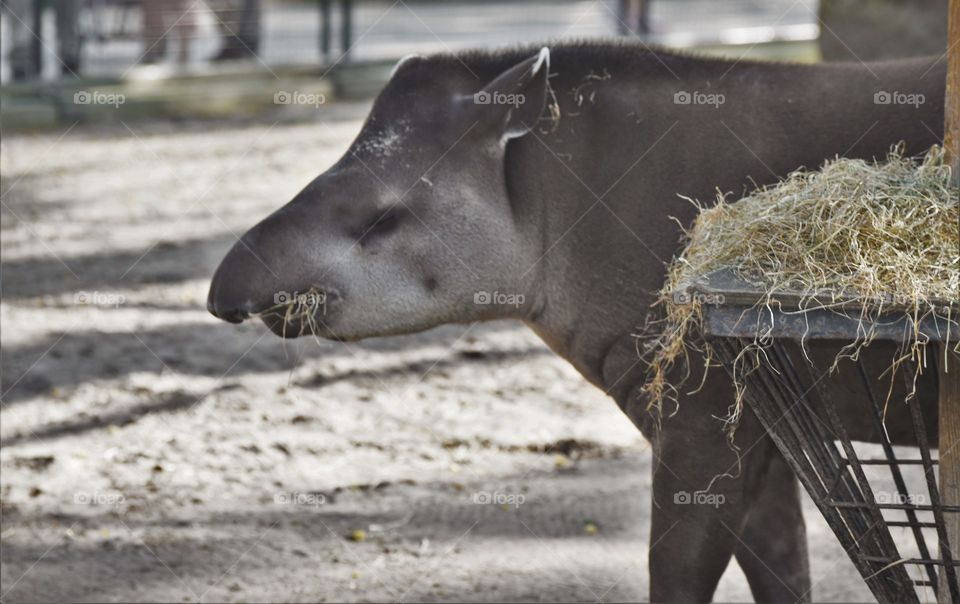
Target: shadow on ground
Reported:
[(417, 538)]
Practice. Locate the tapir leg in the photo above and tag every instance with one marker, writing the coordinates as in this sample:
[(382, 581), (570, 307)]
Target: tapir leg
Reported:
[(704, 493), (773, 543), (690, 546)]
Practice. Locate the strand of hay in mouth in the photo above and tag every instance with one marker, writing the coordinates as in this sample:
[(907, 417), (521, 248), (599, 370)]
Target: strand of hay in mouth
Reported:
[(886, 235), (299, 308)]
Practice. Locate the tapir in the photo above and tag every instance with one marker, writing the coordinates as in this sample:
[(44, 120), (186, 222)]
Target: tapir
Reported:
[(544, 185)]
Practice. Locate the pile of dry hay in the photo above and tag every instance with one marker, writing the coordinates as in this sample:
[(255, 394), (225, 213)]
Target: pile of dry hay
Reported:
[(885, 234)]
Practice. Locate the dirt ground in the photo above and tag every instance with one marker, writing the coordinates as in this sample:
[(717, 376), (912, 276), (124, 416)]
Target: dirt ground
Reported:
[(150, 452)]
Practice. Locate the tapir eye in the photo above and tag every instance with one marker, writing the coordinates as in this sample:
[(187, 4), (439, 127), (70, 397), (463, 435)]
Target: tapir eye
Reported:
[(382, 223)]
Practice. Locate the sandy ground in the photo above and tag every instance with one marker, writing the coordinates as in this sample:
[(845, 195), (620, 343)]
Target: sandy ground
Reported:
[(150, 452)]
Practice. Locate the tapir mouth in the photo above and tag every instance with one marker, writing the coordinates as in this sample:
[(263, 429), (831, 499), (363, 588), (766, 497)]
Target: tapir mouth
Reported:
[(290, 327), (306, 314)]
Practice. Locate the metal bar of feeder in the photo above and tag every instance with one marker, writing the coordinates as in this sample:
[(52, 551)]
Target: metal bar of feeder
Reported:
[(895, 506), (822, 457), (920, 430), (791, 388), (828, 456), (729, 349), (817, 426), (740, 317), (917, 561), (889, 585), (895, 472), (804, 427), (829, 468), (792, 376), (882, 538), (895, 462), (838, 461), (831, 460), (808, 469), (904, 523)]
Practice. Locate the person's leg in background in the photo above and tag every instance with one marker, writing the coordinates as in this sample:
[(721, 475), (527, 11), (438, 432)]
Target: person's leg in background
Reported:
[(643, 16), (250, 25), (186, 24), (19, 14), (239, 22), (154, 30), (68, 35), (160, 19), (623, 18), (634, 17)]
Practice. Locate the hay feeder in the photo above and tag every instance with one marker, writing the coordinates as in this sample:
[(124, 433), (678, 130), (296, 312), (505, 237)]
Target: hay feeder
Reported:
[(800, 415)]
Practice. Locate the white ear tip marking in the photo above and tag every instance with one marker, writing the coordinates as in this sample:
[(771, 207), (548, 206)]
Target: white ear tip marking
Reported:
[(402, 61), (543, 58)]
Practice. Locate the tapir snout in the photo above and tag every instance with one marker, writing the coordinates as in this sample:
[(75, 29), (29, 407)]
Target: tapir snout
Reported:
[(234, 290), (248, 281)]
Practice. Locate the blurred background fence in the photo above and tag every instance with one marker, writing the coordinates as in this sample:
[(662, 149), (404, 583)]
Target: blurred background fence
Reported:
[(110, 37), (52, 49)]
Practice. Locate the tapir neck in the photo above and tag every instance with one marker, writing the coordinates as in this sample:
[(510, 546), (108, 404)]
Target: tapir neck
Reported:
[(600, 189)]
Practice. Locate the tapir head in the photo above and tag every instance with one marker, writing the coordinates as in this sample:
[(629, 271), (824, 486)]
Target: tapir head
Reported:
[(413, 227)]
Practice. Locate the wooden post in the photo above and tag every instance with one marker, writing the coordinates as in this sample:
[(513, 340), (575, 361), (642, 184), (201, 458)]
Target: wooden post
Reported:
[(949, 363), (949, 446), (951, 138)]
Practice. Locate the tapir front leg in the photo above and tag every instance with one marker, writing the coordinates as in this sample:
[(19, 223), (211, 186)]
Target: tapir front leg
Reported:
[(699, 523), (773, 543), (690, 544)]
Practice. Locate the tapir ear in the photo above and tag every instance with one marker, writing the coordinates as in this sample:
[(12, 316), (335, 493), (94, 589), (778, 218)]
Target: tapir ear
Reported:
[(403, 61), (511, 104)]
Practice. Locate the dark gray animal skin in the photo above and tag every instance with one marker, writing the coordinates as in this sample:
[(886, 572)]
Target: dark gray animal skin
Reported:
[(568, 195)]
